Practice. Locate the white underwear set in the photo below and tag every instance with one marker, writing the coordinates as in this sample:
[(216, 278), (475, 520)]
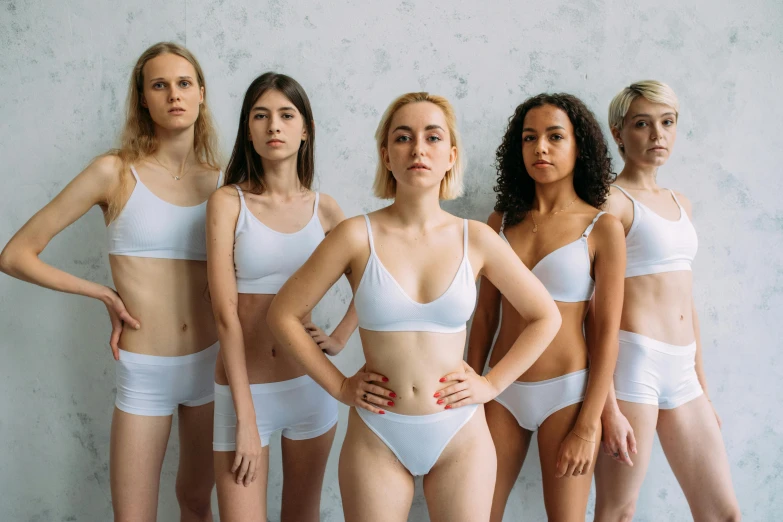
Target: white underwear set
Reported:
[(264, 259), (382, 305), (148, 226)]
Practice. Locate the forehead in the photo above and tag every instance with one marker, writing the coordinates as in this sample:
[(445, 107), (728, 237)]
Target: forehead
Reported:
[(546, 116), (419, 114), (273, 99), (168, 66), (642, 105)]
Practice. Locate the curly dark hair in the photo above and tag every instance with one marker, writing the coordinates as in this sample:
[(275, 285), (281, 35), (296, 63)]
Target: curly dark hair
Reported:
[(592, 171)]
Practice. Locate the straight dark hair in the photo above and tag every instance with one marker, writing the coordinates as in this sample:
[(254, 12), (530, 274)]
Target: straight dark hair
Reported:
[(245, 163)]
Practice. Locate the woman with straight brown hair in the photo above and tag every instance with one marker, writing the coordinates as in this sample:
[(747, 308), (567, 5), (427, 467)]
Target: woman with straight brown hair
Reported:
[(153, 192)]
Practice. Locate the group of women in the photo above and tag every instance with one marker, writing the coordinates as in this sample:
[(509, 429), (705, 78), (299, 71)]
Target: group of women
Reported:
[(587, 275)]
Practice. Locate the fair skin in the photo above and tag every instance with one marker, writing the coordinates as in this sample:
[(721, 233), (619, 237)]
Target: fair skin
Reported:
[(249, 353), (162, 310), (659, 306), (567, 455), (421, 247)]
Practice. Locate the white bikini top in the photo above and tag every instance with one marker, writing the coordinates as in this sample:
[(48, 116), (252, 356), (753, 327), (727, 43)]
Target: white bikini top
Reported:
[(151, 227), (264, 259), (382, 305), (655, 245), (565, 272)]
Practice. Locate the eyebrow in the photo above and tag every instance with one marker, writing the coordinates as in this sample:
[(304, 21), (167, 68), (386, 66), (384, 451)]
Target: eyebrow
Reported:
[(553, 127), (259, 108), (428, 127), (155, 80), (642, 115)]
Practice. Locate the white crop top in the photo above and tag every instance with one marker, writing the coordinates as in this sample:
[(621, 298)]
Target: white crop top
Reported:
[(655, 245), (264, 259), (565, 272), (382, 305), (151, 227)]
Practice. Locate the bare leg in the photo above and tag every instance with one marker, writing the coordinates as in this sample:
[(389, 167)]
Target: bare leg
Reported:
[(691, 439), (138, 444), (617, 485), (195, 476), (304, 465), (460, 485), (565, 498), (373, 484), (511, 444), (236, 502)]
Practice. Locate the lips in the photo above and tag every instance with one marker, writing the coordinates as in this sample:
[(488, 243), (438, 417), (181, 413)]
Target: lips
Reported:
[(418, 166), (541, 163), (275, 142), (176, 110)]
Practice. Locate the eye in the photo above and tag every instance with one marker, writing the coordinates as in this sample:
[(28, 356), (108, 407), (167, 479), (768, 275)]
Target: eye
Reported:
[(158, 85), (435, 138), (640, 124), (402, 138), (184, 83), (668, 122), (259, 116), (288, 116), (529, 137), (556, 137)]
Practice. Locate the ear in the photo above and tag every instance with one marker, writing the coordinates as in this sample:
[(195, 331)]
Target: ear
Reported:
[(304, 131), (385, 158), (201, 100), (616, 135), (144, 101), (452, 157)]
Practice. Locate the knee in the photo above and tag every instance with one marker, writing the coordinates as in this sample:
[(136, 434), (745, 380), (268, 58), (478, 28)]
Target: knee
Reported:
[(732, 514), (197, 502), (622, 513)]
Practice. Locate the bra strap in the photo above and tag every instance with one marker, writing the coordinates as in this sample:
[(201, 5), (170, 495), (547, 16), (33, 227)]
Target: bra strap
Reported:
[(502, 223), (241, 195), (220, 179), (675, 199), (369, 233), (465, 237), (135, 174), (592, 224), (621, 189), (315, 207)]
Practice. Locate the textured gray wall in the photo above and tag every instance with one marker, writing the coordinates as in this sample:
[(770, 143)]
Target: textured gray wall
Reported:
[(63, 77)]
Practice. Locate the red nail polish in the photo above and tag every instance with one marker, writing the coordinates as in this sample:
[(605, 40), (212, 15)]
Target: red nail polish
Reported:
[(437, 395), (440, 401), (393, 395), (385, 379), (448, 406), (390, 403), (442, 379), (382, 412)]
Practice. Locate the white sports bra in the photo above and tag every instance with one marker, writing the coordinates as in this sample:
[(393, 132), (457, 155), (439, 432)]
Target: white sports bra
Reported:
[(655, 245), (565, 272), (151, 227), (382, 305), (264, 259)]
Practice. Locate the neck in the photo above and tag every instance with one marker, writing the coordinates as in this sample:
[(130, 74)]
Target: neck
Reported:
[(551, 197), (639, 176), (281, 177), (175, 149), (416, 207)]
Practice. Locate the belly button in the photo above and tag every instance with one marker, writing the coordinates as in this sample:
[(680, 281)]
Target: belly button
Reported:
[(184, 327), (682, 317), (273, 352)]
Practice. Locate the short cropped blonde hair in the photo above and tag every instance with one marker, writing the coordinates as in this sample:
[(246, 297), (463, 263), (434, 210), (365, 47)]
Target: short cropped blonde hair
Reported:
[(652, 90), (385, 186)]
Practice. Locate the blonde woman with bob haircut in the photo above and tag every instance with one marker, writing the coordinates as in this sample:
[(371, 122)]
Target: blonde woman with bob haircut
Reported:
[(659, 381), (417, 408), (153, 192)]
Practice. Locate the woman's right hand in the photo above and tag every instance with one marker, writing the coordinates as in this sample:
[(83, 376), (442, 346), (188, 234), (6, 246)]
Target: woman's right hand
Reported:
[(360, 392), (247, 454), (618, 438), (118, 315)]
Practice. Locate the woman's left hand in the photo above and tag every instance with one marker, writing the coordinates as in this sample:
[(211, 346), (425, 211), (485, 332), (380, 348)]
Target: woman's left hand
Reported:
[(575, 456), (326, 343), (469, 388)]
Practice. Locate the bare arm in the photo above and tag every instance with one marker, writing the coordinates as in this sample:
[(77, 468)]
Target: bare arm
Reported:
[(20, 257), (486, 317)]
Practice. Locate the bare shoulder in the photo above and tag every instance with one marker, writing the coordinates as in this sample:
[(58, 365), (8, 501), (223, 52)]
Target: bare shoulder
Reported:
[(684, 201), (495, 220), (608, 228), (224, 199), (482, 234), (350, 233), (105, 170), (329, 211)]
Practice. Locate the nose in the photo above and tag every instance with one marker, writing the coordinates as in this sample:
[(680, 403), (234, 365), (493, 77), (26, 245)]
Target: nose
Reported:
[(174, 94), (656, 131), (418, 148), (542, 147), (274, 124)]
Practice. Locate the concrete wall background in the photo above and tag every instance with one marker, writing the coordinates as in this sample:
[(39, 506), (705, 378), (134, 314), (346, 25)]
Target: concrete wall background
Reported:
[(64, 68)]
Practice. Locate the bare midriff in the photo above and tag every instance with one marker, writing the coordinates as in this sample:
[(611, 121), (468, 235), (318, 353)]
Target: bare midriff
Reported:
[(265, 361), (170, 298), (660, 306), (414, 363), (567, 353)]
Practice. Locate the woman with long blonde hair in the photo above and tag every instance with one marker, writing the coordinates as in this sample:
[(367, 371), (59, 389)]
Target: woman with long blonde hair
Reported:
[(153, 192)]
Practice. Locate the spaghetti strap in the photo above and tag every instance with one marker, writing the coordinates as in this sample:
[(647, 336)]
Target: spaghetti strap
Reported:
[(465, 237), (220, 179), (675, 198), (135, 174), (369, 233), (241, 194), (315, 207), (592, 224), (502, 224), (621, 189)]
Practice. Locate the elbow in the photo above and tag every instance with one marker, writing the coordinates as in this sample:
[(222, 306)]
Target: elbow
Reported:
[(9, 261), (226, 320)]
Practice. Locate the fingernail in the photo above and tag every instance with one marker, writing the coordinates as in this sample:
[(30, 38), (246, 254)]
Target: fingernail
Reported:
[(385, 379), (393, 395), (440, 401), (382, 412), (437, 394), (442, 379), (448, 406), (390, 403)]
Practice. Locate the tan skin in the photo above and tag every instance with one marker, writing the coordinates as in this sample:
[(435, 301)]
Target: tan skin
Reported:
[(249, 353), (162, 309), (659, 306), (565, 448), (421, 246)]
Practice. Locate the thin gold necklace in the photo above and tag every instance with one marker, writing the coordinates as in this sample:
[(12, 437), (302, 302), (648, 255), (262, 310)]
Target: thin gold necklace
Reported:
[(535, 225), (176, 178)]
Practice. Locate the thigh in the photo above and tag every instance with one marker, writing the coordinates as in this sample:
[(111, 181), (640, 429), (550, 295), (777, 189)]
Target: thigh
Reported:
[(374, 485), (565, 498), (693, 445), (460, 485), (617, 484), (195, 476), (304, 464), (138, 445), (237, 502), (511, 444)]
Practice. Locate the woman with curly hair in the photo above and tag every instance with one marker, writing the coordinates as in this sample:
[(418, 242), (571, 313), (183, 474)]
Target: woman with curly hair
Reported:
[(659, 383), (553, 175)]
